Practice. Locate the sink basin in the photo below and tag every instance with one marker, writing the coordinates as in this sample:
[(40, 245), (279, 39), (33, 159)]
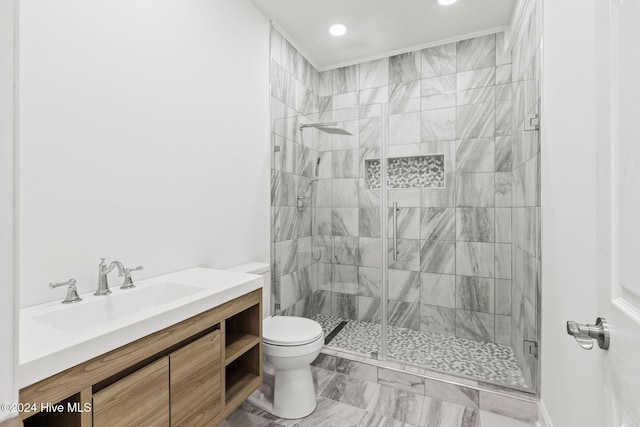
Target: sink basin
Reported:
[(105, 309)]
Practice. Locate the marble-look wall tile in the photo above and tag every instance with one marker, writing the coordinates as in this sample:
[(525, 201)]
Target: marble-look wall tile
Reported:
[(438, 224), (283, 191), (503, 297), (436, 102), (304, 252), (503, 118), (438, 85), (408, 223), (369, 222), (475, 259), (344, 306), (324, 221), (504, 92), (345, 79), (325, 83), (369, 132), (285, 223), (344, 221), (370, 253), (404, 97), (404, 285), (344, 279), (344, 164), (476, 121), (404, 128), (503, 74), (374, 73), (475, 294), (374, 96), (503, 54), (503, 225), (286, 257), (369, 282), (479, 52), (475, 326), (438, 125), (408, 255), (476, 96), (503, 153), (475, 224), (345, 250), (475, 155), (438, 257), (404, 314), (503, 330), (475, 190), (406, 198), (503, 261), (439, 320), (345, 100), (438, 289), (477, 78), (369, 309), (344, 193), (323, 275), (439, 60), (440, 197), (404, 67)]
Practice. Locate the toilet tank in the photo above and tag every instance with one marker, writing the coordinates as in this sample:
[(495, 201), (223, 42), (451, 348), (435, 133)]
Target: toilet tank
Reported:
[(262, 268)]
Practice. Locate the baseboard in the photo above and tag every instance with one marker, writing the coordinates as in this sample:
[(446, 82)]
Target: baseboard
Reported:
[(543, 416)]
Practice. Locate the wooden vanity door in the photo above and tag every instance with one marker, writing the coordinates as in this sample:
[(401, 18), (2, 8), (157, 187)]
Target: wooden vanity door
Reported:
[(139, 399), (196, 395)]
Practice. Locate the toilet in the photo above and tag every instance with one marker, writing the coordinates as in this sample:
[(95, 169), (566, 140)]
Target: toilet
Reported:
[(289, 345)]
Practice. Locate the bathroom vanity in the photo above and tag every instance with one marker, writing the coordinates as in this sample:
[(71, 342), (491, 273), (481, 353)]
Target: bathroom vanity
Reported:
[(194, 371)]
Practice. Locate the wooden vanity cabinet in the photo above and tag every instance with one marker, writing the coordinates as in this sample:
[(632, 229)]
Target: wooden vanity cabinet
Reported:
[(195, 376), (139, 399), (194, 373)]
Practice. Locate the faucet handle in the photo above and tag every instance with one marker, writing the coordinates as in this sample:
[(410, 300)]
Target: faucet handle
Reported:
[(127, 283), (72, 291)]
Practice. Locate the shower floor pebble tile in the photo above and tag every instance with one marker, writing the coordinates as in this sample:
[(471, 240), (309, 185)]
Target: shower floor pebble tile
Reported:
[(480, 360)]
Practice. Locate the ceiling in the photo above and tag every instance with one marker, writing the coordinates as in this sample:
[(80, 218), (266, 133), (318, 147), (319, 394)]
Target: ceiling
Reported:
[(378, 28)]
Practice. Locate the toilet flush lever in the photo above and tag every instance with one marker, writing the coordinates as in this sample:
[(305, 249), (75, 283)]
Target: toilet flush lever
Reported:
[(585, 334)]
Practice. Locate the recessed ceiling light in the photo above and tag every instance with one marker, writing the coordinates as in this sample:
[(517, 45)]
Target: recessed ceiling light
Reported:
[(446, 2), (337, 30)]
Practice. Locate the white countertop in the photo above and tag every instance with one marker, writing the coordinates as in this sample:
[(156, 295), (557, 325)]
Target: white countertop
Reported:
[(46, 350)]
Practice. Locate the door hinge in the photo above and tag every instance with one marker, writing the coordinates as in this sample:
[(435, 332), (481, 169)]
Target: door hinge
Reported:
[(531, 348), (532, 122)]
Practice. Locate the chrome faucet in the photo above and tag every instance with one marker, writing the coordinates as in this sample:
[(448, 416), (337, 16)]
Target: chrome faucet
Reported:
[(104, 270)]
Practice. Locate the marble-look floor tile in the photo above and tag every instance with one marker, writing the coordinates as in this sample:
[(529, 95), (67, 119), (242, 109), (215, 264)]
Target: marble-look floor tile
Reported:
[(490, 419), (358, 370), (453, 393), (523, 410), (397, 404), (401, 380), (438, 413), (242, 418)]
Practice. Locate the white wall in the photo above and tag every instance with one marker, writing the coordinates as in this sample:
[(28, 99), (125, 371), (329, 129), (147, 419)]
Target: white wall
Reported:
[(143, 137), (568, 210), (8, 309)]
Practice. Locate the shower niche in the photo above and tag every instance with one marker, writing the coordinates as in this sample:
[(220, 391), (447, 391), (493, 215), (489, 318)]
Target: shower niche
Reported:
[(407, 172)]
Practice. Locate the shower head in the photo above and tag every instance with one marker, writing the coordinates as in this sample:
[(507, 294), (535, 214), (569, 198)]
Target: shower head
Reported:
[(326, 127)]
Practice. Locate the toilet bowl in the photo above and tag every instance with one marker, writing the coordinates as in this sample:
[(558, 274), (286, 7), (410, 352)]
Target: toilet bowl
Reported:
[(290, 344)]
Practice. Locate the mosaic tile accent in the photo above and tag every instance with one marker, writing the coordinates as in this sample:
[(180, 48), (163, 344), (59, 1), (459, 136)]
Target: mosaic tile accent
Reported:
[(407, 172), (481, 360)]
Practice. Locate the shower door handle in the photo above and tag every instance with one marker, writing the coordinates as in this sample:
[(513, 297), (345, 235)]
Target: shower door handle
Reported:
[(395, 231)]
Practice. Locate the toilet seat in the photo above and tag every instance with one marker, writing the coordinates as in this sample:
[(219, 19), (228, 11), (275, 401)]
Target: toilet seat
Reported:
[(290, 331)]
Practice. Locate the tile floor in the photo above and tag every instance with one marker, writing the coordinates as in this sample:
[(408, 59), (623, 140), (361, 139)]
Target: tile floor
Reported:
[(345, 400), (484, 361)]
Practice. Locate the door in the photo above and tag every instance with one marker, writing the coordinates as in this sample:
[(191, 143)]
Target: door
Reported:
[(618, 164)]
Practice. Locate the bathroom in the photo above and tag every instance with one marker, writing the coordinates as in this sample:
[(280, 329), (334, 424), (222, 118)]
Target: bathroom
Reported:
[(211, 134)]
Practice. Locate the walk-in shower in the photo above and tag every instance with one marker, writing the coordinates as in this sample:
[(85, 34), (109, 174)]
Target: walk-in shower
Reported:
[(406, 208)]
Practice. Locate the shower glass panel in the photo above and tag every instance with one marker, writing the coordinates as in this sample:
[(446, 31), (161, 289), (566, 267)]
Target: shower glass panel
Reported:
[(406, 207)]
